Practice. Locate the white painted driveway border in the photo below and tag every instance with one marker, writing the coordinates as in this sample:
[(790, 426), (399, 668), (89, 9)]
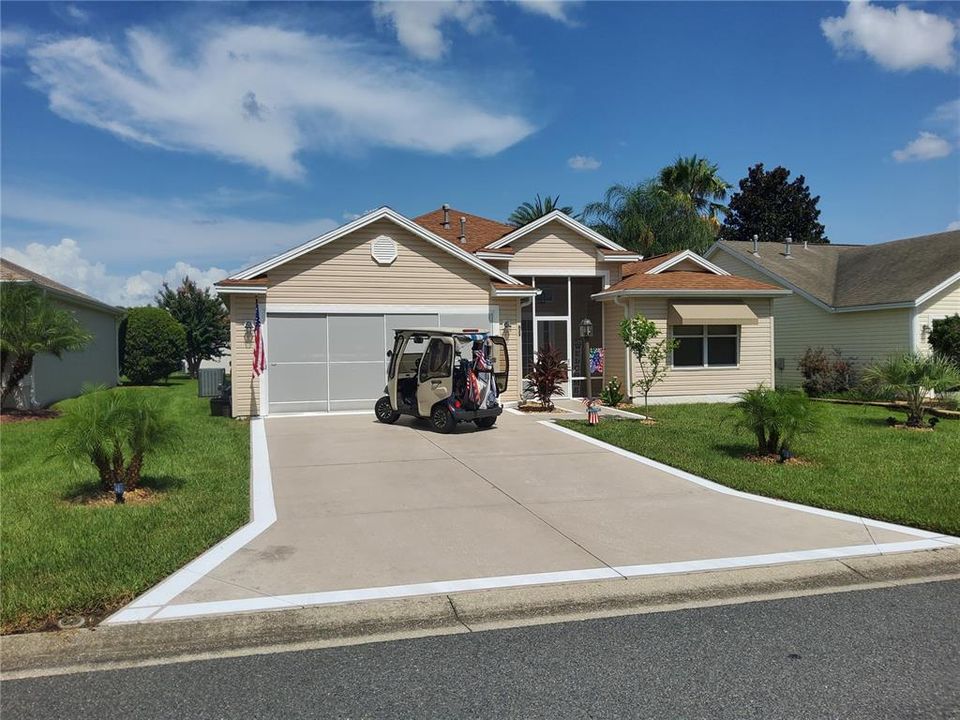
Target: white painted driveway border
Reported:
[(154, 604), (263, 514)]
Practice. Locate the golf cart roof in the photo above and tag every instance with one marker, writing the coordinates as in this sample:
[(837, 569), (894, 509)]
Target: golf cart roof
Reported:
[(465, 332)]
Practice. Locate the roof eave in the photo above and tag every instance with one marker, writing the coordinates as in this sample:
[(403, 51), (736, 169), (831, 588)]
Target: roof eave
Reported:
[(667, 292), (562, 218)]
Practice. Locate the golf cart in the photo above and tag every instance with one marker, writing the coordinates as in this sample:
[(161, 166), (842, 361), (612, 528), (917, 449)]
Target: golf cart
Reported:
[(446, 376)]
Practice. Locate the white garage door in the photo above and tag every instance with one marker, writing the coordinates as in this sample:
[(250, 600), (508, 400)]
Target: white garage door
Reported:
[(333, 362)]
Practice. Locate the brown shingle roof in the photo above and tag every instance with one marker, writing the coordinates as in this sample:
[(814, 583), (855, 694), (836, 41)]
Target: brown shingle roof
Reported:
[(230, 282), (686, 280), (642, 266), (480, 231), (11, 272), (899, 271)]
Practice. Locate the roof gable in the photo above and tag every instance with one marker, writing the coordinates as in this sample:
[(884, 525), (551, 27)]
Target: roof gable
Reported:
[(383, 213), (672, 262), (11, 272), (556, 215)]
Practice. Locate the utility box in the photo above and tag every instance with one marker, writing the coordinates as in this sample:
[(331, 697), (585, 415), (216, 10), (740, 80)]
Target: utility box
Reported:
[(211, 382)]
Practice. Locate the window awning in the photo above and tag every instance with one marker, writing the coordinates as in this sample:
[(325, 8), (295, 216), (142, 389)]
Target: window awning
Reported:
[(711, 314)]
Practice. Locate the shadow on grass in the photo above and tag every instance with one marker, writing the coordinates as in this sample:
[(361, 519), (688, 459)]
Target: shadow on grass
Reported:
[(737, 451)]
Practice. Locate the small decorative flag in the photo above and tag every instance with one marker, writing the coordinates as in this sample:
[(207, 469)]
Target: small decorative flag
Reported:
[(596, 361), (593, 410), (259, 354)]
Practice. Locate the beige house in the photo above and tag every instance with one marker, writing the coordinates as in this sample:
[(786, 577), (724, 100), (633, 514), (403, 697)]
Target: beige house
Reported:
[(867, 301), (329, 308)]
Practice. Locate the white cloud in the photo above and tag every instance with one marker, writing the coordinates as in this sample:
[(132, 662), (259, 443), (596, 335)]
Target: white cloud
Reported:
[(583, 162), (898, 39), (553, 9), (926, 146), (955, 225), (418, 24), (263, 95), (65, 263), (131, 231)]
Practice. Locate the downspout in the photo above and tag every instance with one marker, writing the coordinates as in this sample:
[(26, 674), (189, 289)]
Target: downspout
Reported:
[(628, 366)]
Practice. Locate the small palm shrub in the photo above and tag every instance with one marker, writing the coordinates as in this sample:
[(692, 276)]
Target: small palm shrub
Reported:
[(912, 377), (114, 430), (775, 417), (825, 372), (612, 393), (152, 345), (547, 375)]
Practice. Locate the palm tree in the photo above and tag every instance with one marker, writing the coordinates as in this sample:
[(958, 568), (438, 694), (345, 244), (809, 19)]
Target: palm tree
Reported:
[(527, 212), (644, 218), (697, 180), (912, 377), (31, 323)]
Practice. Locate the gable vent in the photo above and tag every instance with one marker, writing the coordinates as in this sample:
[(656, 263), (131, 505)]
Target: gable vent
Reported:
[(383, 249)]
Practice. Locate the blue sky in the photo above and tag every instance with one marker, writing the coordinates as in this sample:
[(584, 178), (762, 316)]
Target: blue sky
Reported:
[(146, 140)]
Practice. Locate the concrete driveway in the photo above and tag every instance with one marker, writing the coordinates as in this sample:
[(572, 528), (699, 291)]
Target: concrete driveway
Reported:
[(366, 510)]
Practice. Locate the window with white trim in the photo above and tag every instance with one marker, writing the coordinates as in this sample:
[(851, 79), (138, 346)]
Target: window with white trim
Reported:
[(706, 346)]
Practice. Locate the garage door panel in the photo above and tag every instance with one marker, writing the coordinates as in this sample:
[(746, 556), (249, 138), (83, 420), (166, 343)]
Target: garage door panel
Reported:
[(401, 322), (357, 380), (356, 337), (298, 382), (297, 338), (461, 321)]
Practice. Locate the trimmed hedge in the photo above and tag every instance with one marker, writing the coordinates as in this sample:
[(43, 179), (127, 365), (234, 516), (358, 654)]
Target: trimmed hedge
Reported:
[(152, 345)]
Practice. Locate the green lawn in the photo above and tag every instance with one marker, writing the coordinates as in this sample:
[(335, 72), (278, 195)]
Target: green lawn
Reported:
[(857, 463), (60, 558)]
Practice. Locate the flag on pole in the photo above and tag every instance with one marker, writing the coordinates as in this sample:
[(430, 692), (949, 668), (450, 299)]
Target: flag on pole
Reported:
[(259, 356)]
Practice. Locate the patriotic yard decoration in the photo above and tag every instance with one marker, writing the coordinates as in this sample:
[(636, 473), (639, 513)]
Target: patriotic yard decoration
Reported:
[(259, 355), (593, 410)]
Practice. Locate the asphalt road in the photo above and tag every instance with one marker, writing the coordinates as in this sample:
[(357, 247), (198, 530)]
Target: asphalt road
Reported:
[(891, 653)]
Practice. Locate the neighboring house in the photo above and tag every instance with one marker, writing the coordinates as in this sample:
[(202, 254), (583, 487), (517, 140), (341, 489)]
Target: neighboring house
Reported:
[(53, 379), (867, 301), (329, 307)]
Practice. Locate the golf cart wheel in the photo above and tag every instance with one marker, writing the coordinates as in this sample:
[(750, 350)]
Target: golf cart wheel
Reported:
[(385, 412), (442, 419), (485, 423)]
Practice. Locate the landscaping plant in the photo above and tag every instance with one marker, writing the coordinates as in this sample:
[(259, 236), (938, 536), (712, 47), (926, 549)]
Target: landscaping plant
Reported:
[(826, 373), (639, 336), (945, 337), (547, 375), (114, 430), (152, 345), (612, 393), (32, 323), (204, 318), (775, 417), (912, 377)]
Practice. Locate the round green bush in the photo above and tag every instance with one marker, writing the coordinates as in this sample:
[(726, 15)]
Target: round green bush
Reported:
[(152, 344)]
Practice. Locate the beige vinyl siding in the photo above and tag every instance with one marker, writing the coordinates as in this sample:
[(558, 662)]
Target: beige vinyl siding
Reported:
[(510, 313), (614, 354), (863, 336), (940, 306), (343, 272), (245, 388), (686, 266), (554, 247), (756, 361)]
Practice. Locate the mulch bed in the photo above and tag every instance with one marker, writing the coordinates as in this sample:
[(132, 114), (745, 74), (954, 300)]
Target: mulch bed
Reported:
[(103, 498), (12, 416), (537, 408), (773, 459)]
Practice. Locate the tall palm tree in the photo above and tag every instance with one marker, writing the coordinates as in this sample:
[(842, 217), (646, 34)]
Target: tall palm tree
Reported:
[(644, 218), (527, 212), (696, 180), (30, 324)]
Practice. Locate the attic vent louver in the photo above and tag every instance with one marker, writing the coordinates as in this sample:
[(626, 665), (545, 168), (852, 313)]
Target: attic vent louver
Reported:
[(383, 249)]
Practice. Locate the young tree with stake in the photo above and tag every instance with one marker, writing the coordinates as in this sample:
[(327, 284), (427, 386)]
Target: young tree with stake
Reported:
[(639, 336)]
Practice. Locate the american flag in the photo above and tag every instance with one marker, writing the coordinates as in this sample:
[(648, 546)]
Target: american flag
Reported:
[(259, 356), (480, 362)]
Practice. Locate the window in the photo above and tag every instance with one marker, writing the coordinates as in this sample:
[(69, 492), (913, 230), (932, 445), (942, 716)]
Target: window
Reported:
[(706, 345), (437, 360)]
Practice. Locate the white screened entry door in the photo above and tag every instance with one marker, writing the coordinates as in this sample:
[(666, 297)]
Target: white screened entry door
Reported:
[(326, 362)]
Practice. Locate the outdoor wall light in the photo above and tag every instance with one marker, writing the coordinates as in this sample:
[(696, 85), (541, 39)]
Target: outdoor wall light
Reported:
[(248, 326), (586, 328), (118, 490)]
